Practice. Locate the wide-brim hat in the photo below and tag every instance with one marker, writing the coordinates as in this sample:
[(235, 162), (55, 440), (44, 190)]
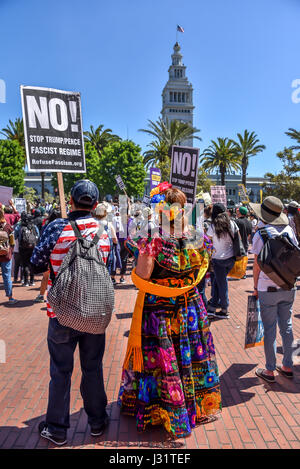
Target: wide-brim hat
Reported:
[(270, 211)]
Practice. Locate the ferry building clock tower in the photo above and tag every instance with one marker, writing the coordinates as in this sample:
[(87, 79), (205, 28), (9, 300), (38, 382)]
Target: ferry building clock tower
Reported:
[(177, 95)]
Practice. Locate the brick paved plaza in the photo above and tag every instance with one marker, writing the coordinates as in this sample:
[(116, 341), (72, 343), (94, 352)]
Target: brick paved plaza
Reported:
[(255, 414)]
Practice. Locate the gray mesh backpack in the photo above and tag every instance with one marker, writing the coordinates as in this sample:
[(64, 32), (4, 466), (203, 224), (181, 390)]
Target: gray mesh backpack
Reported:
[(82, 293)]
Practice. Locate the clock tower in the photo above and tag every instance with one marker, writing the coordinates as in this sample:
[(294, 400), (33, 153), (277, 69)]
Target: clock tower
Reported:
[(177, 95)]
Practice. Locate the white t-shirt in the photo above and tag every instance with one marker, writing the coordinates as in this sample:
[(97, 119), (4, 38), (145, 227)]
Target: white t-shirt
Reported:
[(222, 247), (257, 244)]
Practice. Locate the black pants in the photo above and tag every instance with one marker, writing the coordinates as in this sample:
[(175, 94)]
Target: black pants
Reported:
[(124, 257), (25, 255), (17, 265), (62, 342)]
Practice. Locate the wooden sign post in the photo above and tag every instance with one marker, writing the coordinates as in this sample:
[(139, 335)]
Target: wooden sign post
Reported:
[(61, 193)]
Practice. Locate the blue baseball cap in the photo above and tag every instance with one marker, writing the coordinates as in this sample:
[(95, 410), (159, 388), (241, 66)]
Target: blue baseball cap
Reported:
[(85, 192)]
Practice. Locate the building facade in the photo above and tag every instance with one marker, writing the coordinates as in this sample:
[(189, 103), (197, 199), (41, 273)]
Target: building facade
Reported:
[(34, 180), (177, 95), (232, 181)]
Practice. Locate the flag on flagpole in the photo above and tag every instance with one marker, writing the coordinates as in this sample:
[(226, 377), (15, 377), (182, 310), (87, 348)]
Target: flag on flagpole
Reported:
[(180, 29)]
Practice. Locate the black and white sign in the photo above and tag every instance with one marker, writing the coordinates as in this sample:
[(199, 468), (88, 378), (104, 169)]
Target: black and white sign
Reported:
[(53, 130), (120, 183), (184, 170), (20, 205), (146, 199)]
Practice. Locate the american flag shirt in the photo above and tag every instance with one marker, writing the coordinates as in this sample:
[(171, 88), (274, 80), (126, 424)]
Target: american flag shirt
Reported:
[(57, 238)]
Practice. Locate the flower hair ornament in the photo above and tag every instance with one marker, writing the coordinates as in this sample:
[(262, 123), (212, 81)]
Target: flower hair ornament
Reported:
[(159, 199)]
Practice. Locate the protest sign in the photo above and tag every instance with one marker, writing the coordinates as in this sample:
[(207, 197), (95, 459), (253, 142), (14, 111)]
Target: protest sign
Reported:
[(120, 182), (21, 205), (205, 196), (243, 194), (155, 177), (53, 130), (146, 199), (5, 194), (184, 170), (254, 334), (218, 195)]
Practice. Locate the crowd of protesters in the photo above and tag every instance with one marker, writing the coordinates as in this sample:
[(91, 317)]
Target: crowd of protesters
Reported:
[(28, 241)]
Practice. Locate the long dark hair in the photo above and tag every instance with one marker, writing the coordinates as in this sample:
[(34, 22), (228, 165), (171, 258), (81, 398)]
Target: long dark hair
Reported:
[(222, 225)]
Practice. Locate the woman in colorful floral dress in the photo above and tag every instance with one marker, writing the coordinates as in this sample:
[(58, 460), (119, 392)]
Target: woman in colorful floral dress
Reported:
[(173, 379)]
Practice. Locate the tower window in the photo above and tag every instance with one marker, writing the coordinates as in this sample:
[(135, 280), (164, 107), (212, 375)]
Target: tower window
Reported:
[(171, 96)]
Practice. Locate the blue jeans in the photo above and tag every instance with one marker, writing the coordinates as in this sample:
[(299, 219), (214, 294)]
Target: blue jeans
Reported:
[(6, 274), (276, 308), (62, 342), (220, 284)]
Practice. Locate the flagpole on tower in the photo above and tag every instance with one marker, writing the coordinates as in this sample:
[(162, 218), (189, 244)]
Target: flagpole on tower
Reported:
[(180, 29)]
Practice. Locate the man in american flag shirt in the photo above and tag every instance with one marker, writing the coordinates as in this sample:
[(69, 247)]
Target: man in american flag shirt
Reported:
[(54, 244)]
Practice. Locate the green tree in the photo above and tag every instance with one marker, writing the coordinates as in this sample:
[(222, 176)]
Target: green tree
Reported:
[(171, 133), (246, 147), (295, 135), (30, 195), (204, 183), (12, 165), (165, 135), (122, 158), (220, 155), (100, 138), (93, 170), (286, 184), (15, 131)]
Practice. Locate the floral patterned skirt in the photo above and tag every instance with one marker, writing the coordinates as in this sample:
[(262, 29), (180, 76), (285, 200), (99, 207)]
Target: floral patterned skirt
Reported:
[(179, 386)]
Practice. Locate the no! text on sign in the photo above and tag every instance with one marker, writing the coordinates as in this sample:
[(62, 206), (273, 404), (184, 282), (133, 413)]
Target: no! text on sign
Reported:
[(53, 130), (184, 170)]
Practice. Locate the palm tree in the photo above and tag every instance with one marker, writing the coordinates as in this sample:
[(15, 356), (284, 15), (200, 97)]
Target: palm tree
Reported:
[(15, 131), (166, 134), (220, 155), (100, 138), (295, 135), (157, 154), (171, 133), (246, 147)]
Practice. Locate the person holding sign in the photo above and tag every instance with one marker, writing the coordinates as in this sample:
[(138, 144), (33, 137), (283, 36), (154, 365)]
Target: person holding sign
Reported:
[(170, 375)]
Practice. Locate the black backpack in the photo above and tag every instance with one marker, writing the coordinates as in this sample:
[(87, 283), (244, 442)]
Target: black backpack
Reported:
[(28, 237), (279, 259)]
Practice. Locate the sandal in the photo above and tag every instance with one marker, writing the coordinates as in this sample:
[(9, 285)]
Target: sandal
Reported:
[(260, 373), (287, 374)]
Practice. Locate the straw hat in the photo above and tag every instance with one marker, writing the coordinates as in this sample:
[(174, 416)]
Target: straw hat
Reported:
[(270, 211)]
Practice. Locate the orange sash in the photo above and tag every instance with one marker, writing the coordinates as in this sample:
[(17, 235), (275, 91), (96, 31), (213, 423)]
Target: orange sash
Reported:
[(134, 346)]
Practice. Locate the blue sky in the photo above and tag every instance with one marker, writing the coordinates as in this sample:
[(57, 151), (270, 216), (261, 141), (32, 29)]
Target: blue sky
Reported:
[(241, 56)]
